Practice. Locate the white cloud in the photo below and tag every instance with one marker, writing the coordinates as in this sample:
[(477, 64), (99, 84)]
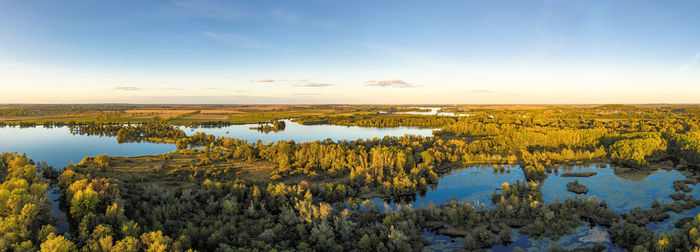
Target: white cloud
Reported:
[(316, 84), (389, 83), (308, 83), (127, 88)]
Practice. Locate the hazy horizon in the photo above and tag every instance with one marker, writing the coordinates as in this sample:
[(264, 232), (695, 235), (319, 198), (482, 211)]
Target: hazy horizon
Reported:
[(321, 52)]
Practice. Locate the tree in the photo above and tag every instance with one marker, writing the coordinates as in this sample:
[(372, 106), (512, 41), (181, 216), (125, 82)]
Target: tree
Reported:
[(83, 202), (59, 243), (155, 241), (102, 160), (128, 244)]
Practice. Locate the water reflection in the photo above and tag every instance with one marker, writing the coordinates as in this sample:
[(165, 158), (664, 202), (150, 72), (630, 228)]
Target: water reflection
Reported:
[(306, 133), (58, 147), (622, 191), (433, 111), (668, 225), (61, 219), (475, 185), (583, 236)]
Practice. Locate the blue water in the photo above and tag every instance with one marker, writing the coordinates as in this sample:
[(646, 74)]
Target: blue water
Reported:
[(582, 236), (58, 147), (307, 133), (622, 192), (475, 185), (668, 225), (61, 218), (433, 111)]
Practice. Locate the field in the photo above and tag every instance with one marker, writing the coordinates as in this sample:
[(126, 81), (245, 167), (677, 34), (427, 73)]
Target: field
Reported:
[(177, 114)]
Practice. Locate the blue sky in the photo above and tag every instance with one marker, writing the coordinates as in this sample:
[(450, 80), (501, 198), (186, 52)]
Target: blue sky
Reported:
[(207, 51)]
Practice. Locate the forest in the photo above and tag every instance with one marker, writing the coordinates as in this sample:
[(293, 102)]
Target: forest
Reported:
[(219, 193)]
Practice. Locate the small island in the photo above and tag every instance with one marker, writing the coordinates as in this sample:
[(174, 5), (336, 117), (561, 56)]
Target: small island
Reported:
[(579, 174), (577, 188), (274, 126)]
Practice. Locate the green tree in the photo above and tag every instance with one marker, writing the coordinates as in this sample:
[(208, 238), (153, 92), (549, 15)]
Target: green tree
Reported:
[(58, 243), (155, 241)]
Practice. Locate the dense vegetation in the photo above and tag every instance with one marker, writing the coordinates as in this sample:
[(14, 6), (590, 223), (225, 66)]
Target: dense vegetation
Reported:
[(25, 220), (274, 126), (381, 120), (224, 194)]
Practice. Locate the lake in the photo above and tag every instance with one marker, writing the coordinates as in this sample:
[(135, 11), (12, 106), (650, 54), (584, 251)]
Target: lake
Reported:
[(474, 185), (58, 147), (306, 133), (433, 111), (621, 191)]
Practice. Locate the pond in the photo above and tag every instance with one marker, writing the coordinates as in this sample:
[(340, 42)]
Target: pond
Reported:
[(475, 185), (631, 190), (622, 191), (582, 236), (668, 225), (306, 133)]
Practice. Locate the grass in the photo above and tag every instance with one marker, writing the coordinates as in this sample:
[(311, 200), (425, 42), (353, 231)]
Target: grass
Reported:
[(181, 169), (163, 169)]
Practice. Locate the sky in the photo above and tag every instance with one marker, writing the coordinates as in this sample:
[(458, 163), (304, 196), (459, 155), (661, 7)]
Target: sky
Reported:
[(326, 51)]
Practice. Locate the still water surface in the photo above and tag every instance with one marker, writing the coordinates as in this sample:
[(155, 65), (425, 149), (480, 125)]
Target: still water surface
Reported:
[(58, 147), (621, 191), (306, 133)]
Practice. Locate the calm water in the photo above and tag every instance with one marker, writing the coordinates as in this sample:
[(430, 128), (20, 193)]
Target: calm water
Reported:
[(58, 147), (61, 219), (668, 225), (307, 133), (622, 192), (433, 111), (474, 185), (583, 236)]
